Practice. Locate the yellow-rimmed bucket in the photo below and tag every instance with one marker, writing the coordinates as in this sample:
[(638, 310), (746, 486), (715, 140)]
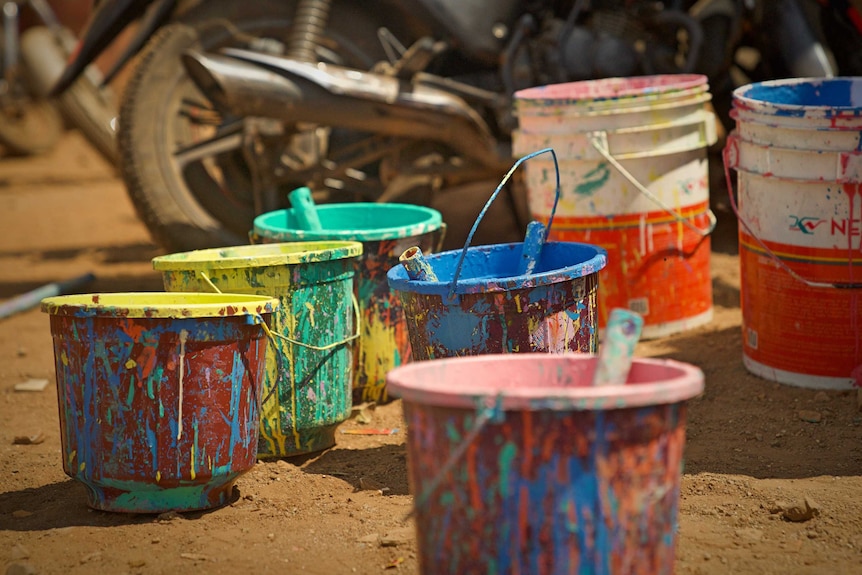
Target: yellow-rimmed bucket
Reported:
[(159, 395), (308, 389)]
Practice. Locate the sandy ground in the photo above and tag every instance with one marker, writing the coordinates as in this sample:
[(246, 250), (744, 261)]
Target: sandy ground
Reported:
[(755, 448)]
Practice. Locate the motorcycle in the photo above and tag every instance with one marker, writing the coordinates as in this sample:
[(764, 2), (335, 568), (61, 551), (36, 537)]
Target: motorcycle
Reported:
[(30, 64), (232, 104)]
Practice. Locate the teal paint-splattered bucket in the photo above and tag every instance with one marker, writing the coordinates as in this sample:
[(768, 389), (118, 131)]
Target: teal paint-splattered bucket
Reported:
[(309, 379), (159, 395), (386, 231)]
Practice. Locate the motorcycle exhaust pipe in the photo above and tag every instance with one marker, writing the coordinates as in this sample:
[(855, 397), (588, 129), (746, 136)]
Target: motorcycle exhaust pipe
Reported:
[(238, 87), (246, 83)]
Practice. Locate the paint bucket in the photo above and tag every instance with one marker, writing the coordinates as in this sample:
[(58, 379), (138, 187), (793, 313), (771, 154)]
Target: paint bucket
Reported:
[(483, 301), (159, 395), (635, 181), (519, 465), (385, 231), (307, 392), (796, 152)]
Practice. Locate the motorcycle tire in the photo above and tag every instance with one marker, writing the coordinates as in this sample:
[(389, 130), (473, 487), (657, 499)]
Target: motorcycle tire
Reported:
[(186, 207), (30, 127), (84, 105)]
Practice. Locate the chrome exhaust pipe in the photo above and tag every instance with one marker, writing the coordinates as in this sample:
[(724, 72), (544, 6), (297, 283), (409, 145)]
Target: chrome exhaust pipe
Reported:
[(246, 83)]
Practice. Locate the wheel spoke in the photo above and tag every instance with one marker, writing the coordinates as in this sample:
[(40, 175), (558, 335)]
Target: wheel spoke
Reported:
[(226, 139)]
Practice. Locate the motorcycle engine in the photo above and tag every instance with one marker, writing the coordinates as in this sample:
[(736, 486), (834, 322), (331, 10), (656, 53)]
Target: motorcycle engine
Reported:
[(617, 38)]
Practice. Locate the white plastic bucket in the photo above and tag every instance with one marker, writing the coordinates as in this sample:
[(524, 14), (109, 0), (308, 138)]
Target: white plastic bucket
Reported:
[(634, 178), (796, 149)]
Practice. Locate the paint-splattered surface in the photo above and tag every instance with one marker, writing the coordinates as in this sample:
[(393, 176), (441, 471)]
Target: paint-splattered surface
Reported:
[(158, 414), (308, 390), (548, 492), (748, 446), (557, 318), (383, 342)]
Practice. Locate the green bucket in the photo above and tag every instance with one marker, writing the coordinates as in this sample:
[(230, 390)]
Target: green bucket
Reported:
[(386, 231), (307, 391)]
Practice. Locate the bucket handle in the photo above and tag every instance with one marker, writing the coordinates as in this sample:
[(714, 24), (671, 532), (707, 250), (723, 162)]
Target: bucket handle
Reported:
[(453, 285), (489, 410), (327, 347), (599, 141), (272, 335), (730, 155)]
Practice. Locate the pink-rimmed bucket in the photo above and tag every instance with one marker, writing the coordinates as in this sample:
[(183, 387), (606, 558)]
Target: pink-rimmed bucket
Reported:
[(517, 461)]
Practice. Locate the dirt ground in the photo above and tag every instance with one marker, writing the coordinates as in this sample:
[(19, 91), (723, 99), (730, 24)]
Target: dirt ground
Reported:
[(755, 448)]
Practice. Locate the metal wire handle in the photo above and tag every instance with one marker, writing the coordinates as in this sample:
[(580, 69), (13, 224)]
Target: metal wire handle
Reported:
[(599, 141), (730, 157), (356, 314), (493, 197), (490, 410)]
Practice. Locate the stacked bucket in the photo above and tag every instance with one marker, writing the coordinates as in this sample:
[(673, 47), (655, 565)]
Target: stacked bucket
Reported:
[(796, 151), (635, 181)]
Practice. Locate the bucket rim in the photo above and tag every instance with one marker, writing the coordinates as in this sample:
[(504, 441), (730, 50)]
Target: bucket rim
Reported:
[(613, 89), (772, 108), (614, 112), (432, 222), (684, 382), (258, 255), (163, 305), (398, 279)]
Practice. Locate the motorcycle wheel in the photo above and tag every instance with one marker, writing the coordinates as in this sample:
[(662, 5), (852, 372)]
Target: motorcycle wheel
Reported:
[(84, 105), (208, 201)]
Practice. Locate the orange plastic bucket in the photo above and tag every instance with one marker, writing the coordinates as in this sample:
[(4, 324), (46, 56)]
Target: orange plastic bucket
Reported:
[(796, 150)]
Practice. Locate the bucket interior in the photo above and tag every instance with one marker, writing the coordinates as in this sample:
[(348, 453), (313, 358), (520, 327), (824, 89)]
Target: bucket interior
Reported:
[(362, 221), (497, 267), (258, 255), (541, 381), (841, 93), (158, 304)]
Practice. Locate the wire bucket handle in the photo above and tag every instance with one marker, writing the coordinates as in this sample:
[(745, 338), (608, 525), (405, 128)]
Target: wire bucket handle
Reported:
[(457, 274), (599, 141), (730, 155), (274, 334)]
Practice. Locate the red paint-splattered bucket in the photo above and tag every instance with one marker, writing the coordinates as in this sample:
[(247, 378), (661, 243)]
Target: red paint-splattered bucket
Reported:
[(519, 465), (159, 395)]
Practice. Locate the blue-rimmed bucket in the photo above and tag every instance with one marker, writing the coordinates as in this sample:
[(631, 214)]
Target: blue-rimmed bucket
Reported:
[(796, 152), (308, 389), (533, 296), (385, 231)]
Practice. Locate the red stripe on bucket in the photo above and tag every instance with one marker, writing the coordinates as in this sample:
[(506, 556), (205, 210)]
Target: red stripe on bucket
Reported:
[(661, 267)]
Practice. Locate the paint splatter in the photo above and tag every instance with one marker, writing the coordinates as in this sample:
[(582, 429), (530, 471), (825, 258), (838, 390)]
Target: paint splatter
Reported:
[(593, 180), (127, 448)]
